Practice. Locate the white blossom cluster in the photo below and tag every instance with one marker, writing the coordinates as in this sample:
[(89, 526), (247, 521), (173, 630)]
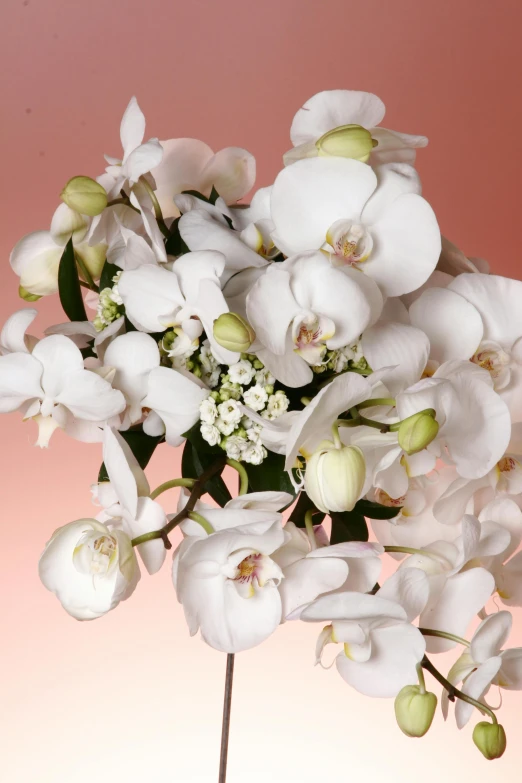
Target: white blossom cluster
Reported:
[(223, 420), (110, 305), (334, 349)]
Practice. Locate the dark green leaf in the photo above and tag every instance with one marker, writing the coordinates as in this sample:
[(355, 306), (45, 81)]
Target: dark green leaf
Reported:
[(107, 274), (270, 475), (375, 510), (69, 286), (142, 446), (348, 526), (197, 194), (175, 246), (214, 195), (194, 462), (303, 505)]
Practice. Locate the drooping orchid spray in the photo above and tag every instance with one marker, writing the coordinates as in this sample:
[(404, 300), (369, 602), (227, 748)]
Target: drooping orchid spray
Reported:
[(323, 341)]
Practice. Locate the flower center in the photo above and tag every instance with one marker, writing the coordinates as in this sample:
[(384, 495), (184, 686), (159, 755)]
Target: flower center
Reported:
[(384, 499), (253, 571), (493, 358), (351, 242), (95, 554), (509, 475), (310, 334)]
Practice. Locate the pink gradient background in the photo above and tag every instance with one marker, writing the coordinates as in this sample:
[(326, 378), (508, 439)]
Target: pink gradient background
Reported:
[(132, 695)]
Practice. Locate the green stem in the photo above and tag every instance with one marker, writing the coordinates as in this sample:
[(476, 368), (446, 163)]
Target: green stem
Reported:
[(198, 489), (117, 201), (243, 475), (454, 693), (86, 274), (205, 524), (157, 209), (335, 435), (422, 681), (376, 401), (443, 635), (309, 525), (179, 482)]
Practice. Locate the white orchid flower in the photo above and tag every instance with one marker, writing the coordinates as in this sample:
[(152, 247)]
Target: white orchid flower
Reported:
[(201, 230), (504, 479), (381, 647), (52, 386), (190, 164), (332, 109), (257, 510), (307, 298), (13, 337), (474, 422), (126, 501), (485, 663), (205, 226), (374, 221), (227, 584), (416, 526), (89, 568), (188, 295), (172, 397), (36, 257), (138, 157), (351, 565)]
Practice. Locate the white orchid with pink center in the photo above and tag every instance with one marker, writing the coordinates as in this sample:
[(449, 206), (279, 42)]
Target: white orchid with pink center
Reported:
[(323, 346)]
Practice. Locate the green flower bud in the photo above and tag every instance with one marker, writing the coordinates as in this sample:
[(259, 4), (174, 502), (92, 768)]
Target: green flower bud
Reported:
[(347, 141), (27, 296), (414, 710), (233, 332), (417, 431), (85, 196), (334, 477), (490, 739)]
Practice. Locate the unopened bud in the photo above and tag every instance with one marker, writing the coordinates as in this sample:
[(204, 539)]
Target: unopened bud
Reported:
[(347, 141), (85, 195), (335, 477), (490, 739), (26, 295), (417, 431), (414, 710), (233, 332)]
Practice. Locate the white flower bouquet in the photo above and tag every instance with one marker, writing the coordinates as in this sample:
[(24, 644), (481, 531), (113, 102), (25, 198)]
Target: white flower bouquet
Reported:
[(329, 346)]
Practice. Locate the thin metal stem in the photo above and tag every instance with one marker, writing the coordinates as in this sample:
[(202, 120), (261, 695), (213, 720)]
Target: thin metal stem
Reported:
[(225, 727)]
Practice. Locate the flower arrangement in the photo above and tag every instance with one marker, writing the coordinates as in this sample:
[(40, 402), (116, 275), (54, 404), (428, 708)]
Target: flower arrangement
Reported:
[(329, 346)]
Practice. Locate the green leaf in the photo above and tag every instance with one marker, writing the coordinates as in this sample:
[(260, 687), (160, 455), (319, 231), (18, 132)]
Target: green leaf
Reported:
[(303, 505), (375, 510), (197, 194), (214, 195), (69, 286), (348, 526), (175, 245), (194, 462), (142, 446), (270, 475), (107, 273)]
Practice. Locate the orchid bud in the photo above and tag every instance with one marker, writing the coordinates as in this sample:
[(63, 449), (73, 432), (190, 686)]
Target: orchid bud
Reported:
[(93, 257), (490, 739), (418, 431), (414, 710), (233, 332), (85, 195), (335, 477), (26, 295), (347, 141)]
